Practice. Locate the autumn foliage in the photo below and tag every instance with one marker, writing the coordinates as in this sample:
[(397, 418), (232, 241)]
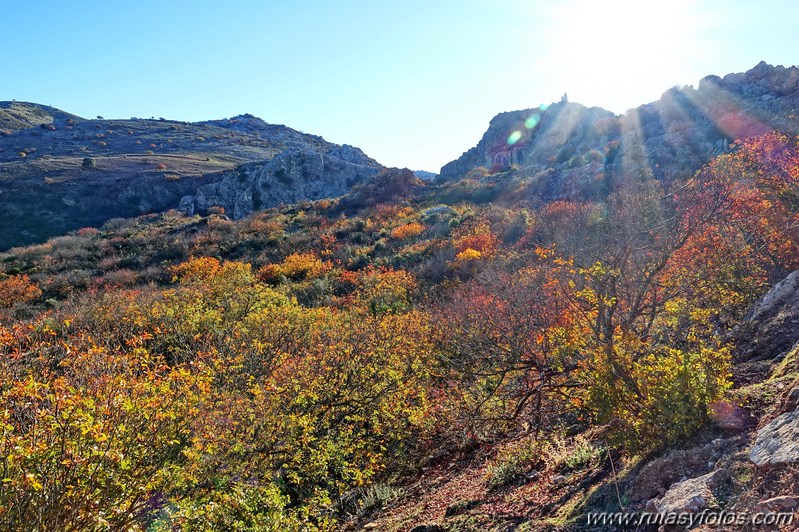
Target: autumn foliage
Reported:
[(262, 374), (17, 289)]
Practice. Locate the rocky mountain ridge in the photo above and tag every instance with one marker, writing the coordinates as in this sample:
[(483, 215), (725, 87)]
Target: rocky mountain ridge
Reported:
[(572, 147)]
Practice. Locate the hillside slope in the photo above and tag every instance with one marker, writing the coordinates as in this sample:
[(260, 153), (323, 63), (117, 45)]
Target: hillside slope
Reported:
[(474, 353), (392, 359), (60, 172), (16, 116)]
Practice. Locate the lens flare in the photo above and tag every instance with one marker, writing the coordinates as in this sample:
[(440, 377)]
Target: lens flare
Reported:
[(514, 137), (532, 121)]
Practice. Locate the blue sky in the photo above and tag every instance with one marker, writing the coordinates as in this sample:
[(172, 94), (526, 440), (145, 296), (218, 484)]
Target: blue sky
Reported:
[(412, 83)]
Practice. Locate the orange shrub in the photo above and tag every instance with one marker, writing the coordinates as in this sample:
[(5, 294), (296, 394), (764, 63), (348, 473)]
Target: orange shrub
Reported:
[(408, 230), (17, 289), (195, 270), (479, 239)]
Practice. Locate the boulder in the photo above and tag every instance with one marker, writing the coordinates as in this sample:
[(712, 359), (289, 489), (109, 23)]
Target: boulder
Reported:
[(690, 496), (771, 327), (783, 503), (656, 477), (778, 442)]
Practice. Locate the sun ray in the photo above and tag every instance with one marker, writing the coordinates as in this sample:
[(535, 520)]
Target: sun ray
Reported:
[(726, 110), (634, 157)]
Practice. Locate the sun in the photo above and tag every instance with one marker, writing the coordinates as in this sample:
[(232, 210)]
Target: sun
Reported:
[(620, 54)]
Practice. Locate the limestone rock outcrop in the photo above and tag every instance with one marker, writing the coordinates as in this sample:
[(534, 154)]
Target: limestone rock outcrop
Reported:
[(778, 442), (293, 175), (771, 327)]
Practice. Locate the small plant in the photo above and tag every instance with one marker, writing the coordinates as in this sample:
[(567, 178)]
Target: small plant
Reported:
[(376, 497), (88, 163), (581, 454), (511, 463)]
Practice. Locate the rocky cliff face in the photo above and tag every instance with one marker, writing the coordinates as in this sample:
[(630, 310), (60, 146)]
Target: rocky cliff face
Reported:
[(294, 175), (771, 327), (535, 137), (764, 81), (670, 137)]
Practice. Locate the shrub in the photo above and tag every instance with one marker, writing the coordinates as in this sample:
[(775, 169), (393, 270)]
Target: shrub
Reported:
[(675, 389), (512, 462), (468, 254), (385, 290), (376, 497), (408, 230), (88, 163), (235, 507), (477, 172), (295, 267), (88, 231), (17, 289), (581, 454), (480, 239)]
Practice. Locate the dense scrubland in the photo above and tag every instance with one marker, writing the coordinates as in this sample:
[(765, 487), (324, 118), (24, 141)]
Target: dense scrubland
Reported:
[(297, 368)]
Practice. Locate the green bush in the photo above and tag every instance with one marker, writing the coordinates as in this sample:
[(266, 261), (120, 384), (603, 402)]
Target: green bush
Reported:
[(512, 462), (666, 399)]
